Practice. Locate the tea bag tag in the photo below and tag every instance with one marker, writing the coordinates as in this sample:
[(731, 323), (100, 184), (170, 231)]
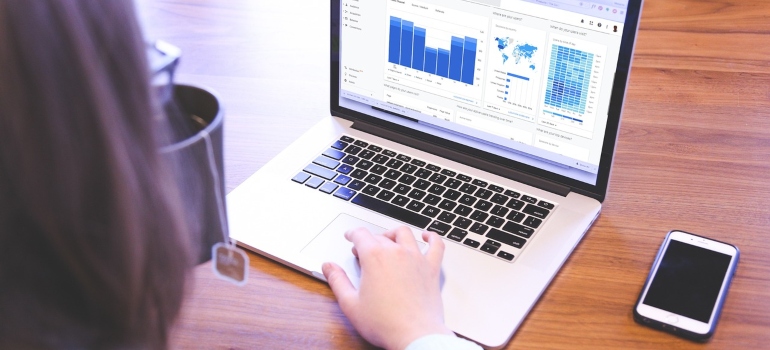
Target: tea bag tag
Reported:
[(230, 263)]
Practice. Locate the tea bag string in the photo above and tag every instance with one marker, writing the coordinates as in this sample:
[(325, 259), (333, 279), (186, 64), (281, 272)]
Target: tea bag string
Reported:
[(217, 184)]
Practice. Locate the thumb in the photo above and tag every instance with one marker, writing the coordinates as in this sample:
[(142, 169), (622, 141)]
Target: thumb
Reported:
[(340, 283)]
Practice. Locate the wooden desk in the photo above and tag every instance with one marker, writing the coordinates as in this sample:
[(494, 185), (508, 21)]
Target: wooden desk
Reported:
[(693, 154)]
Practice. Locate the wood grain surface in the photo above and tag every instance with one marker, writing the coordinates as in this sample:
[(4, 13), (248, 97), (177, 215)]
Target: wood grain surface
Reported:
[(693, 154)]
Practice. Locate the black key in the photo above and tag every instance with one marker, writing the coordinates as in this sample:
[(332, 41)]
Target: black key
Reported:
[(391, 210), (347, 139), (515, 204), (418, 162), (499, 199), (432, 167), (407, 179), (379, 169), (483, 205), (546, 205), (392, 174), (479, 228), (457, 234), (463, 210), (334, 154), (416, 194), (495, 188), (437, 189), (480, 183), (515, 216), (448, 172), (529, 199), (468, 188), (344, 169), (447, 205), (342, 180), (536, 211), (339, 145), (366, 155), (371, 190), (389, 153), (374, 148), (471, 243), (395, 163), (483, 194), (358, 174), (467, 200), (431, 211), (505, 255), (402, 189), (532, 222), (314, 182), (479, 216), (364, 164), (452, 194), (509, 239), (512, 194), (352, 150), (388, 184), (386, 195), (453, 183), (360, 143), (495, 221), (462, 223), (408, 168), (490, 246), (400, 200), (357, 185), (423, 173), (447, 217), (300, 178), (422, 184), (439, 227), (517, 229), (415, 205), (438, 178), (344, 193), (432, 199), (465, 178), (328, 187), (350, 160), (380, 159), (499, 210), (404, 158), (320, 171)]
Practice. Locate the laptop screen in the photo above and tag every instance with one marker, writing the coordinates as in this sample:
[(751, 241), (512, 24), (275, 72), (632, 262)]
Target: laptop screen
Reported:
[(527, 80)]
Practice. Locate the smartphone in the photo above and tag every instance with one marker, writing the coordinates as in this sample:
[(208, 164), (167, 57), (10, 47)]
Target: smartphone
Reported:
[(687, 285)]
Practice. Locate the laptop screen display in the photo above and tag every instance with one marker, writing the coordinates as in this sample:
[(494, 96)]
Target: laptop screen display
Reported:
[(528, 80)]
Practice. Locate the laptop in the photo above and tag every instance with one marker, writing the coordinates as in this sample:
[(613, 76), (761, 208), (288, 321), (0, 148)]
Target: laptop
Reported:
[(490, 122)]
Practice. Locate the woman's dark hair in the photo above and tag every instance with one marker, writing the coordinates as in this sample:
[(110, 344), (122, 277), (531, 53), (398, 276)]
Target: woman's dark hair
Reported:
[(93, 250)]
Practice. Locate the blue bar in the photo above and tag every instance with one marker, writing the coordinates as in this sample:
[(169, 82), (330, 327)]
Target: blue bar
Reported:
[(456, 59), (395, 40), (418, 58), (518, 76), (431, 55), (442, 63), (407, 31), (469, 60)]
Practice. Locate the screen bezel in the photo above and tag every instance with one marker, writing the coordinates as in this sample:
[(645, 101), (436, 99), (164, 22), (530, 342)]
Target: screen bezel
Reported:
[(597, 191), (684, 322)]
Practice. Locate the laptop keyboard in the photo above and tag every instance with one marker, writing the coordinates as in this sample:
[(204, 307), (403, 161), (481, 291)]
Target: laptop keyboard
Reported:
[(480, 215)]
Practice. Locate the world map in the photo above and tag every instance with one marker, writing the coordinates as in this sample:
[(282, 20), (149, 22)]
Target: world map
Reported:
[(520, 52)]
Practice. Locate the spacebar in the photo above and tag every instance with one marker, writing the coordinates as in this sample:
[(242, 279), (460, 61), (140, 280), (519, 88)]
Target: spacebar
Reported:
[(391, 210)]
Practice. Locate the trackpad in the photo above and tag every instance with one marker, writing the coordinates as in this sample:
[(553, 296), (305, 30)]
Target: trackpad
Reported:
[(331, 245)]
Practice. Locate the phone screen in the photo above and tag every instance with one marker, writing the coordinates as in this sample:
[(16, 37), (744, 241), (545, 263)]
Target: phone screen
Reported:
[(688, 281)]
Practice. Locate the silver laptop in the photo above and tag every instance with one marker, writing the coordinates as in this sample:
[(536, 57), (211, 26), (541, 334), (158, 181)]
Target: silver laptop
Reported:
[(490, 122)]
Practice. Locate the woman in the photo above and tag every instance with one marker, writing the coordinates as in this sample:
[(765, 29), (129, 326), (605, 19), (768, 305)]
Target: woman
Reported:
[(93, 247)]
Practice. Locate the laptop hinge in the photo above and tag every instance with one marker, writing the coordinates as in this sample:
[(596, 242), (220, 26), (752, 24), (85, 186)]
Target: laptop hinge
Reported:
[(462, 158)]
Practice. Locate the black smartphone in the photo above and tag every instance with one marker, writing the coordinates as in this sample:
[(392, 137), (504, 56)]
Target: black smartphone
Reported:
[(687, 285)]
